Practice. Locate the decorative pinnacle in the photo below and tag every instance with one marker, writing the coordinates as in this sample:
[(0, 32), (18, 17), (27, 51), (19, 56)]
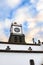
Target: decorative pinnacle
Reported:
[(15, 23)]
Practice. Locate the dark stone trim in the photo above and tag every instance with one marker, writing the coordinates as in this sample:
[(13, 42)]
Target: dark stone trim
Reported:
[(17, 25), (42, 42), (20, 43), (20, 51)]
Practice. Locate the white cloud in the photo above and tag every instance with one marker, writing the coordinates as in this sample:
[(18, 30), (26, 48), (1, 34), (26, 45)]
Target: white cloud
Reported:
[(4, 25), (40, 5), (33, 34), (40, 10), (13, 3), (40, 16), (20, 16), (3, 37), (31, 22), (7, 23), (34, 1)]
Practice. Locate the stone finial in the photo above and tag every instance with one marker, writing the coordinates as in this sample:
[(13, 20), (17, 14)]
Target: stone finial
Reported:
[(15, 23), (30, 49), (8, 48)]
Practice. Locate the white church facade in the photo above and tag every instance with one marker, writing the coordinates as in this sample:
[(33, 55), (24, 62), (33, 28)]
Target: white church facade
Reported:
[(17, 52)]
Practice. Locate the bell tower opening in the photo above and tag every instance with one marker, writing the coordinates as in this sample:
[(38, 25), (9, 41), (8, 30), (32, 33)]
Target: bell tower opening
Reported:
[(16, 34)]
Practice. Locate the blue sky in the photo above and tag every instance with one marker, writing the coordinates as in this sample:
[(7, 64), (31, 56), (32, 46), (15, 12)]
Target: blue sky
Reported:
[(29, 13)]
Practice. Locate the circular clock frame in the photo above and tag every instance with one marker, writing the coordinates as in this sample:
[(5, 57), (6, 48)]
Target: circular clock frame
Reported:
[(16, 29)]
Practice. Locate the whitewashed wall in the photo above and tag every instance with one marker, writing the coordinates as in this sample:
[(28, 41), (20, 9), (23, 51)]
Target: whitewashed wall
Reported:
[(22, 47), (20, 58)]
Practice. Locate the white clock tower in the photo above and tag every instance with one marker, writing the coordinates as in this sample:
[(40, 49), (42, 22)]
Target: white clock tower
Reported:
[(16, 34), (16, 29)]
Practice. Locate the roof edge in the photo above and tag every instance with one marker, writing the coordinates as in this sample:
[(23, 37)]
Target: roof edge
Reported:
[(20, 43), (20, 51)]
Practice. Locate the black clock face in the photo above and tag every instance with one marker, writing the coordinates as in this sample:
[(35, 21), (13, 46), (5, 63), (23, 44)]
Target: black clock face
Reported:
[(16, 29)]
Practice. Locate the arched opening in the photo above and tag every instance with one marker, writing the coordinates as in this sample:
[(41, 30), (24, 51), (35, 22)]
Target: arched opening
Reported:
[(32, 62)]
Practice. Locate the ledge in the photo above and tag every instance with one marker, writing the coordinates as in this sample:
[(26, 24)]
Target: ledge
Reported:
[(20, 43), (19, 51)]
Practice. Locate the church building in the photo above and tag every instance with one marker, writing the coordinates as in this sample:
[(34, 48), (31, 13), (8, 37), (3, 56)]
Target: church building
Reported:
[(17, 52)]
